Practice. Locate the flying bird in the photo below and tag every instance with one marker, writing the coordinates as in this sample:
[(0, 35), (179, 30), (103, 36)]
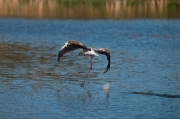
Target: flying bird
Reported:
[(71, 45)]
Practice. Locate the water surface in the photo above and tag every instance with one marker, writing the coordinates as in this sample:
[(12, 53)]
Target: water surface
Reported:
[(144, 74)]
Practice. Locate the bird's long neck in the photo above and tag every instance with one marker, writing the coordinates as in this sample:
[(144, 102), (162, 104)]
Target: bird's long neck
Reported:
[(90, 58)]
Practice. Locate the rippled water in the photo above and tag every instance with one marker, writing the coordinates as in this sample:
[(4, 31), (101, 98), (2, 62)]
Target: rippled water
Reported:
[(144, 74)]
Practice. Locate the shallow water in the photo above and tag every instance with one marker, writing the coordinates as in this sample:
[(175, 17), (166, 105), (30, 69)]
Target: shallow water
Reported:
[(144, 74)]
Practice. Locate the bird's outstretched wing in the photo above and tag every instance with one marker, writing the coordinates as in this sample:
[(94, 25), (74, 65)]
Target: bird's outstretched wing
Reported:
[(105, 52), (70, 45)]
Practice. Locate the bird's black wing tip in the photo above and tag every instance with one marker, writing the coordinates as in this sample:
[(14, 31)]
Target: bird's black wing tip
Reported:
[(58, 59), (107, 68)]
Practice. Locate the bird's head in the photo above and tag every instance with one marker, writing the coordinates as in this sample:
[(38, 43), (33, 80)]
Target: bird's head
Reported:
[(81, 52)]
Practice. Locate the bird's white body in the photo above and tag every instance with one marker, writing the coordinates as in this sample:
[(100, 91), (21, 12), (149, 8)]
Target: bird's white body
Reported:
[(90, 53), (106, 86)]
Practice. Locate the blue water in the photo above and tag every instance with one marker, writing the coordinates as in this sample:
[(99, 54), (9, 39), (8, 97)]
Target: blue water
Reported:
[(144, 74)]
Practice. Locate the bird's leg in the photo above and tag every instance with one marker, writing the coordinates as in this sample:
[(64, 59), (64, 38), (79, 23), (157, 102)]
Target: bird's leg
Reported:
[(90, 67)]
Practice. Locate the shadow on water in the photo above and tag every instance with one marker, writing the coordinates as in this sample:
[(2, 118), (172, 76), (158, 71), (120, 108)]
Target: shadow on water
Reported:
[(156, 94)]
